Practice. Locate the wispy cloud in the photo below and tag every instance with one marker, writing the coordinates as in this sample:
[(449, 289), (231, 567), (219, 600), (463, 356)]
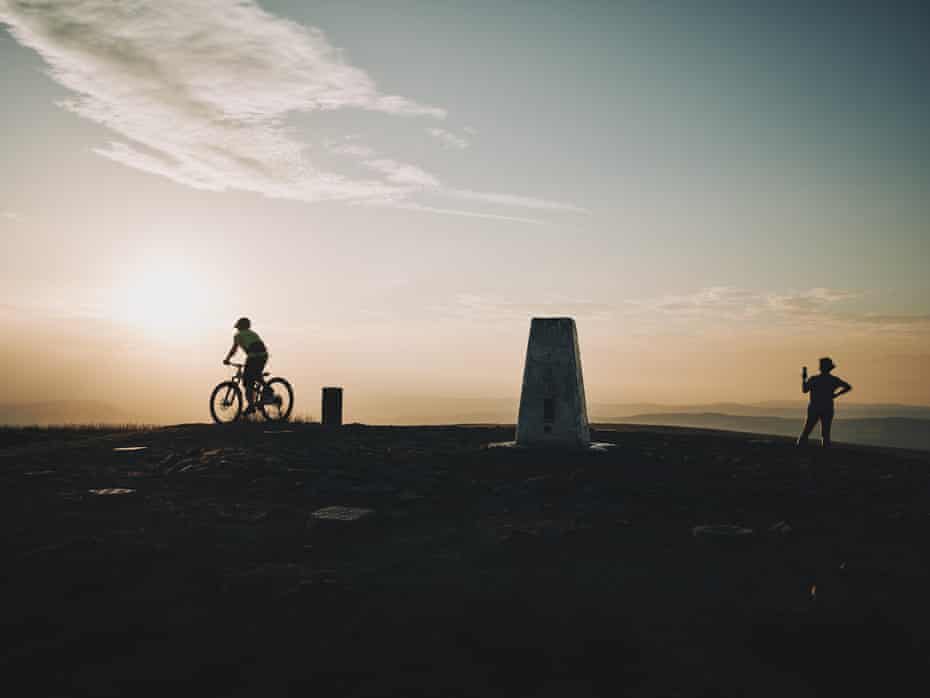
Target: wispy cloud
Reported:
[(355, 150), (727, 301), (448, 139), (403, 174), (410, 206), (816, 308), (199, 92), (724, 308), (513, 200), (812, 300), (415, 179)]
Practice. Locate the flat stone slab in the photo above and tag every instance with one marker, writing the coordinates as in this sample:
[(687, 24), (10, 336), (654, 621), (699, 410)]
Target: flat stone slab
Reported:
[(112, 490), (337, 513), (721, 531), (125, 449)]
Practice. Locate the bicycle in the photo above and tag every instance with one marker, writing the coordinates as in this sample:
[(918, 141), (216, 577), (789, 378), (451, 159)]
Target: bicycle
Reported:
[(274, 398)]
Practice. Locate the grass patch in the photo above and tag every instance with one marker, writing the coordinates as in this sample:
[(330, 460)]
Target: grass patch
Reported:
[(19, 435)]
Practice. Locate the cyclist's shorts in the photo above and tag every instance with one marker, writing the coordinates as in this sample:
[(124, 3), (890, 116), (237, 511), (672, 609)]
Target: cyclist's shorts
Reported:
[(254, 365)]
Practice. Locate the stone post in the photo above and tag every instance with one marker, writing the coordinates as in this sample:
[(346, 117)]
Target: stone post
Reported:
[(552, 401), (332, 407)]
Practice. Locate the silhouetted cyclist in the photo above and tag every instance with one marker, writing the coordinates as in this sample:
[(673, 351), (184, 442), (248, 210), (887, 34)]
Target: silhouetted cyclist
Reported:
[(823, 389), (256, 357)]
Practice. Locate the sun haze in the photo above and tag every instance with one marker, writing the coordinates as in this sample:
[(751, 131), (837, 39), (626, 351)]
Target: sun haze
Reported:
[(718, 193)]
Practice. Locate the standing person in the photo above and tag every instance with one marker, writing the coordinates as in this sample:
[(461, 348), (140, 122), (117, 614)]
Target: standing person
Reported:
[(256, 356), (824, 388)]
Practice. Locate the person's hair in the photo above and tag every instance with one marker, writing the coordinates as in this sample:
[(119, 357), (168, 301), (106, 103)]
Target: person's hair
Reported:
[(826, 364), (243, 323)]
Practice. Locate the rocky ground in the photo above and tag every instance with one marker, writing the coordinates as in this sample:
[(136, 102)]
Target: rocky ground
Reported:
[(203, 559)]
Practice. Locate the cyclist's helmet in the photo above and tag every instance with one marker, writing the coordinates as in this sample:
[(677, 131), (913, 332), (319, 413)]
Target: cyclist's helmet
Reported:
[(243, 323)]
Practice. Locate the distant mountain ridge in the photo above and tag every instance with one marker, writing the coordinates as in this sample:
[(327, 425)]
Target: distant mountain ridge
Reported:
[(782, 408), (63, 412), (902, 426), (895, 432), (418, 409)]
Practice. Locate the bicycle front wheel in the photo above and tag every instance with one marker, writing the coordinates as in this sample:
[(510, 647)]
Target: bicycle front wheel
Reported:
[(277, 400), (226, 403)]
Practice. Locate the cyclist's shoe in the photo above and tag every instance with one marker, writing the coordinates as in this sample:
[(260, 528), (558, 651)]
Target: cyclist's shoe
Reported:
[(249, 410)]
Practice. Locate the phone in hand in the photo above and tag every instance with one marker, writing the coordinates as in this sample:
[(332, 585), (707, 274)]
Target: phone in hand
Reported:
[(804, 371)]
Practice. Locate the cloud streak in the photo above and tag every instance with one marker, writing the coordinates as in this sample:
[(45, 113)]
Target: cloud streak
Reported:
[(200, 92), (448, 139), (733, 310), (815, 308), (403, 174), (513, 200), (729, 302)]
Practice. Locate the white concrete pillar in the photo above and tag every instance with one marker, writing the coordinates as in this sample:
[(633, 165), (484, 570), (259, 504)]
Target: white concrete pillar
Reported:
[(552, 402)]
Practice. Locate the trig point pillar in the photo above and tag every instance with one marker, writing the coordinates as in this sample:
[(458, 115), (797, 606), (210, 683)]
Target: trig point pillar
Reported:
[(552, 402), (332, 407)]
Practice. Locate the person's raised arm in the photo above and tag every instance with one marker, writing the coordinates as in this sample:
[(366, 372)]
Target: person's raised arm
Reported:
[(842, 387), (805, 385), (229, 355)]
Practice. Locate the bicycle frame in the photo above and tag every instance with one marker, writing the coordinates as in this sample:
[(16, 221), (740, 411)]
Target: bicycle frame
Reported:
[(239, 378)]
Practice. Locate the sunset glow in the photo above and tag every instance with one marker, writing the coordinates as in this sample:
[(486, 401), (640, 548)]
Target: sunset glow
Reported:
[(163, 297), (717, 196)]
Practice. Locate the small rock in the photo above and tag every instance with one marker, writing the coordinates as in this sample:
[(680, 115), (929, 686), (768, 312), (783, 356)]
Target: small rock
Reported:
[(721, 531), (338, 513), (781, 527)]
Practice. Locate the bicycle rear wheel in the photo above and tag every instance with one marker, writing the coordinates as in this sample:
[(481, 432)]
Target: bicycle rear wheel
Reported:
[(276, 400), (226, 403)]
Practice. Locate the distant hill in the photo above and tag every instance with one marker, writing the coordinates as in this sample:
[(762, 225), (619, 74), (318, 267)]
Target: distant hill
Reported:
[(789, 409), (897, 432), (63, 412), (419, 409)]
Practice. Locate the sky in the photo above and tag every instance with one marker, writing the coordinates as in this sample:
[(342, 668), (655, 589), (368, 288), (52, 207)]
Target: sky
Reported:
[(718, 193)]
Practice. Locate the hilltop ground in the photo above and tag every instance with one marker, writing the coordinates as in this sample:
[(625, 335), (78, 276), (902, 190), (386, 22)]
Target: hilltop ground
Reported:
[(478, 572)]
